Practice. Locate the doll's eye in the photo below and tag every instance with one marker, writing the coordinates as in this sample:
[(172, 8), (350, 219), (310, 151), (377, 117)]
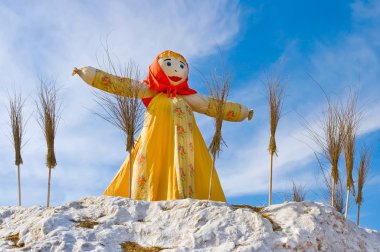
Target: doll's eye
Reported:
[(182, 66), (168, 63)]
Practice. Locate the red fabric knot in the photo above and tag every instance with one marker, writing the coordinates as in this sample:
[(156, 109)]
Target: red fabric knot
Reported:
[(172, 91)]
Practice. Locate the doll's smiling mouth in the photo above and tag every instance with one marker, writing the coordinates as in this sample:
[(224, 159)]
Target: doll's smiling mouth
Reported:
[(175, 78)]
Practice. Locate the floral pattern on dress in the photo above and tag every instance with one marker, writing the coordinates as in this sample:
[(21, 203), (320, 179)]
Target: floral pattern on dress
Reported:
[(140, 159), (191, 192), (189, 110), (113, 84), (230, 114), (141, 181), (180, 130), (181, 151), (231, 111), (190, 125), (191, 147), (178, 111), (106, 80), (184, 155), (191, 169), (182, 174)]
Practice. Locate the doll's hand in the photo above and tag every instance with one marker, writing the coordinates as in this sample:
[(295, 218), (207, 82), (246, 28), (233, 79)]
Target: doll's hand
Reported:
[(76, 71), (250, 114)]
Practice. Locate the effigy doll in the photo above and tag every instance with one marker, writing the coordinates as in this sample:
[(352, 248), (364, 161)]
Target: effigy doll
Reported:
[(170, 158)]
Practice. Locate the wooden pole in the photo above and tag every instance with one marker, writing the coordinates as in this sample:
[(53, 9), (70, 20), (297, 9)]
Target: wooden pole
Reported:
[(19, 185), (212, 173), (347, 203), (270, 180), (130, 175), (48, 195), (358, 216), (332, 192)]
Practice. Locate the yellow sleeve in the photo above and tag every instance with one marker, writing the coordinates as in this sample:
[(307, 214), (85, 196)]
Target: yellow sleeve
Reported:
[(233, 112), (114, 84)]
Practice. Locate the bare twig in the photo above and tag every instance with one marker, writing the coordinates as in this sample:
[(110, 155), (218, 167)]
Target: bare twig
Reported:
[(297, 193)]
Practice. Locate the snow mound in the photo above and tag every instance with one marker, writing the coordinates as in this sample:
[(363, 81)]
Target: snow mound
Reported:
[(113, 224)]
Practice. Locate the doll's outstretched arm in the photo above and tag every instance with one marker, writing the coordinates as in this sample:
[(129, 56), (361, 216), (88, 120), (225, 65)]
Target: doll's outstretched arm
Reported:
[(233, 112), (113, 84)]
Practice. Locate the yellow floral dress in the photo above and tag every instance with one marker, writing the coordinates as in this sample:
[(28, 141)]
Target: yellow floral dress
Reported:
[(170, 159)]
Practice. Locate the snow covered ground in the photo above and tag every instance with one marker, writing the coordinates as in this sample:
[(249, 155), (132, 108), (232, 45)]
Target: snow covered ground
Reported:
[(110, 223)]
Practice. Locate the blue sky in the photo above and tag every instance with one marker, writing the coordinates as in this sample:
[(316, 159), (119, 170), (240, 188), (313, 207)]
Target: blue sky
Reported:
[(335, 42)]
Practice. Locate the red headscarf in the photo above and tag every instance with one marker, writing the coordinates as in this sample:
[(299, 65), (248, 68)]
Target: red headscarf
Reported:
[(158, 81)]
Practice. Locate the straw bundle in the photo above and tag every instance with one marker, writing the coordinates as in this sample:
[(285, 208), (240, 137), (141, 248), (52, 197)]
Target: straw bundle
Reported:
[(363, 171), (351, 121), (330, 142), (275, 100), (126, 113), (48, 117), (218, 89), (16, 104)]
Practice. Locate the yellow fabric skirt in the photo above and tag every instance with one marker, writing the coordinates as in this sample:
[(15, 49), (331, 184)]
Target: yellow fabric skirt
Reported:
[(170, 159)]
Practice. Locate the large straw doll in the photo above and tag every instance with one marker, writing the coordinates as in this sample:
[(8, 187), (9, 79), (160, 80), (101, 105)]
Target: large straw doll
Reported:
[(170, 159)]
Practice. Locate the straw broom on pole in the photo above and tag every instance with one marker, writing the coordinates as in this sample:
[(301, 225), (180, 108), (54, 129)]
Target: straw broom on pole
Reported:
[(218, 89), (362, 178), (48, 117), (16, 105), (330, 140), (334, 133), (331, 143), (275, 99), (351, 120), (124, 112)]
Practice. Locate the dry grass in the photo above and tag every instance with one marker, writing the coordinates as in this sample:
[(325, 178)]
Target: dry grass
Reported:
[(16, 104), (275, 100), (363, 172), (253, 208), (261, 210), (275, 226), (15, 238), (134, 247), (298, 193), (219, 88), (86, 224), (48, 117)]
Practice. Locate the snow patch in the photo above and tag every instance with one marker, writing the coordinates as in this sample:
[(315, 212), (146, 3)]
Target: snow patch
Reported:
[(104, 223)]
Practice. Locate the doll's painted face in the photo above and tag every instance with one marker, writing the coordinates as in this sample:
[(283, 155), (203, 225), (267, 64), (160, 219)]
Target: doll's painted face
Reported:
[(175, 69)]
